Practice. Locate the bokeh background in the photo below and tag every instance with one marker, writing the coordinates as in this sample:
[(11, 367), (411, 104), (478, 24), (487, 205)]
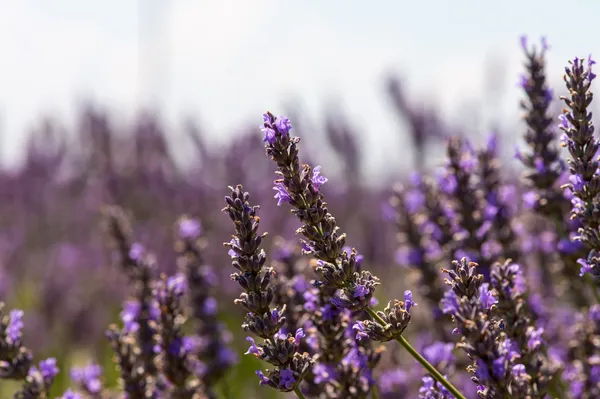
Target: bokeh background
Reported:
[(155, 106)]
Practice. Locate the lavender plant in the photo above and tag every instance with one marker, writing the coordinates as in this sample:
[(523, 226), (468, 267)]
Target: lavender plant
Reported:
[(338, 270), (525, 329), (280, 350), (576, 122)]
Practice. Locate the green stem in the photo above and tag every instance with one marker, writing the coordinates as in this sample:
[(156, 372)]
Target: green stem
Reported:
[(298, 393), (374, 392), (412, 351)]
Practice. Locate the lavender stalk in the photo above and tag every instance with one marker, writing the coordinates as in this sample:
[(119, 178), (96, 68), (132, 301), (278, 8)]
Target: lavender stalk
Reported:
[(290, 366), (583, 147), (322, 239)]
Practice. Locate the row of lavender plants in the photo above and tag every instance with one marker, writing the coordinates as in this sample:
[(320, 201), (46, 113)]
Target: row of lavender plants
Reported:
[(495, 296)]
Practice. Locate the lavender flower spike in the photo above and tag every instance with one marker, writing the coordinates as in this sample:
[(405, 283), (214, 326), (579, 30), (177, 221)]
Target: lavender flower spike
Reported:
[(15, 359), (282, 351), (338, 269), (576, 122)]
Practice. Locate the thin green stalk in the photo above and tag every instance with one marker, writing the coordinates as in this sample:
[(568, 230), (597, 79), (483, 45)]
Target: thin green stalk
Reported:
[(298, 393), (413, 352), (374, 392)]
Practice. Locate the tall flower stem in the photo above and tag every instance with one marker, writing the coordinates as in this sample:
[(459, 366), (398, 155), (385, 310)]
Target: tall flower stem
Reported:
[(299, 393), (417, 356)]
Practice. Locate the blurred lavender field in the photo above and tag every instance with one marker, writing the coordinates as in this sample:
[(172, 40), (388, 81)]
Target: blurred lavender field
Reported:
[(55, 262), (58, 262)]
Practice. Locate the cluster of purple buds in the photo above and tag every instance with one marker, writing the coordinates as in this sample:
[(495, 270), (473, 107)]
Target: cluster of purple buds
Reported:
[(544, 171), (299, 186), (15, 359), (88, 379), (39, 380), (280, 350), (503, 362)]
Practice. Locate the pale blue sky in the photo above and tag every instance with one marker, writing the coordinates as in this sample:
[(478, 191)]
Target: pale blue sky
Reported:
[(227, 61)]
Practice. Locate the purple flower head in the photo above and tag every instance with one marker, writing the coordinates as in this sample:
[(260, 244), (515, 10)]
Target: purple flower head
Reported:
[(361, 333), (523, 40), (577, 182), (49, 369), (13, 331), (594, 313), (530, 199), (283, 125), (317, 179), (591, 76), (361, 291), (539, 165), (129, 315), (523, 81), (263, 380), (534, 338), (450, 303), (286, 378), (177, 284), (299, 335), (253, 349), (88, 376), (518, 370), (586, 267), (446, 181), (275, 316), (136, 251), (191, 343), (281, 193), (564, 123), (408, 300), (189, 228), (486, 296), (231, 251)]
